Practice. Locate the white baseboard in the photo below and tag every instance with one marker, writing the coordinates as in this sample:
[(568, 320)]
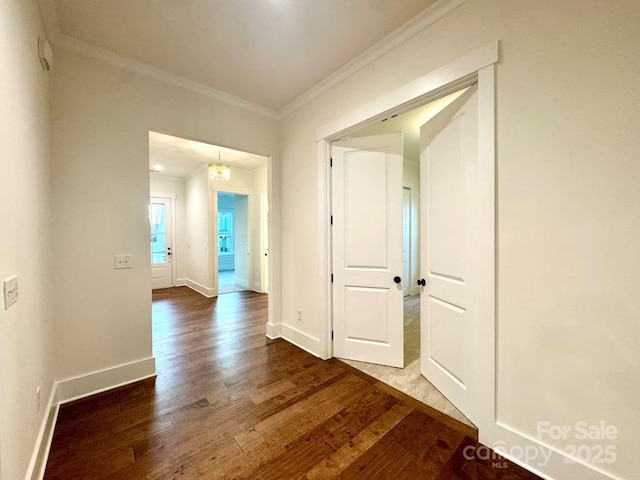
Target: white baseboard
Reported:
[(550, 463), (273, 330), (101, 380), (38, 461), (79, 387), (300, 339), (180, 282), (206, 291), (255, 287)]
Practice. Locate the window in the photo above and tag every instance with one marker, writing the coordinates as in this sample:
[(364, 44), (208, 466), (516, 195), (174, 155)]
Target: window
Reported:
[(225, 232), (157, 218)]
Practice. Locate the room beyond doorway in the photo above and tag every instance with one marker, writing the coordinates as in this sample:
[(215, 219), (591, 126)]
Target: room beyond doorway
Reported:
[(232, 246)]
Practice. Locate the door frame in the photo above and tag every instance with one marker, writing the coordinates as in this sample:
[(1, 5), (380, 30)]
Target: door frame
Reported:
[(214, 189), (172, 200), (407, 227), (478, 66)]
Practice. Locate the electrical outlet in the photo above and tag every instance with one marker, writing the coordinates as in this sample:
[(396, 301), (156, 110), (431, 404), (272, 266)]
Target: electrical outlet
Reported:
[(300, 314), (123, 261), (10, 291), (38, 399)]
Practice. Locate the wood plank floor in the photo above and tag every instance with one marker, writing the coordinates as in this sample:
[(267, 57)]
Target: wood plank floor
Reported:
[(229, 403)]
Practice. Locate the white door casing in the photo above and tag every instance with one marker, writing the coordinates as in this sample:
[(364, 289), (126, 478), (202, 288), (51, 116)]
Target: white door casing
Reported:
[(449, 260), (406, 241), (367, 249), (161, 241)]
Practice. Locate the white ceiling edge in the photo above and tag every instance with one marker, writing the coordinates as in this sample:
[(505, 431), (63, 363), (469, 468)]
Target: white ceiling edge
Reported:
[(412, 27), (404, 32)]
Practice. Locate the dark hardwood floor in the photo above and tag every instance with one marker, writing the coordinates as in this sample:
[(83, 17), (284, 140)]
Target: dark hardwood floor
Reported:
[(230, 403)]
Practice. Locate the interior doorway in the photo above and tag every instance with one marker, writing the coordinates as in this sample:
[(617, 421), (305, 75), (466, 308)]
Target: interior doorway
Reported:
[(397, 359), (234, 254)]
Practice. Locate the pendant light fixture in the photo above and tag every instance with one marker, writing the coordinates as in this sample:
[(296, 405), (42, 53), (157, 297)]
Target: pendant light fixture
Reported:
[(218, 171)]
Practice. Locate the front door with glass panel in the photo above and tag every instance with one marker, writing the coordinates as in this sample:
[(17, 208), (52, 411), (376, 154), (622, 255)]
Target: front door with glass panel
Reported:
[(160, 222)]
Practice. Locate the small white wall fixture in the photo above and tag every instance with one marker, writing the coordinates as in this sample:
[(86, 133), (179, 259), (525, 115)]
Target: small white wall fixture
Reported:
[(476, 67)]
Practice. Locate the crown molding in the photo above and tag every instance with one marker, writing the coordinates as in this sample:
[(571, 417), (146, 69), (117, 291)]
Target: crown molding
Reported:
[(78, 46), (60, 40), (409, 29)]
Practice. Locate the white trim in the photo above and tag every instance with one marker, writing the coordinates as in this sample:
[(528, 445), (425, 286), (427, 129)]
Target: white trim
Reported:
[(448, 78), (181, 282), (75, 388), (485, 246), (40, 454), (558, 466), (163, 195), (415, 25), (273, 330), (300, 339), (101, 380), (201, 289), (325, 253)]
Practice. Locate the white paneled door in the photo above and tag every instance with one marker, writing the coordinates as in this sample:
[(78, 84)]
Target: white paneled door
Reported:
[(367, 249), (449, 300), (161, 242)]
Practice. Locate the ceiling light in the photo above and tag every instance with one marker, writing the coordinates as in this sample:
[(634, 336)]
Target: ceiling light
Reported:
[(219, 172)]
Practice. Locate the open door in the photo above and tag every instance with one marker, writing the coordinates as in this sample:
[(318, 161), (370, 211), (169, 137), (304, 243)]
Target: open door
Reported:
[(367, 249), (449, 301)]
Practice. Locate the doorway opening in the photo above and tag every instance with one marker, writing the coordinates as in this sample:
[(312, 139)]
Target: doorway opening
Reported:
[(234, 255), (465, 223), (405, 375)]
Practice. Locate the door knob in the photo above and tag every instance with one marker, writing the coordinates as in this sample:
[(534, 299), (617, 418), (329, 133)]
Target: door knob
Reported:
[(422, 282), (397, 279)]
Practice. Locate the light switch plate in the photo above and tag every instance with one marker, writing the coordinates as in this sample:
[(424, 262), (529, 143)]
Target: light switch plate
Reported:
[(10, 291)]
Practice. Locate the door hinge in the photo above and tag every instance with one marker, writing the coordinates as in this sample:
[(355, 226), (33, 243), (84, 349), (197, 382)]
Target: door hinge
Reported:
[(331, 162), (331, 220), (332, 278), (331, 334)]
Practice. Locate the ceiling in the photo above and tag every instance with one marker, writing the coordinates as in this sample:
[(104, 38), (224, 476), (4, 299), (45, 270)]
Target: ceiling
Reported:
[(268, 52), (180, 157)]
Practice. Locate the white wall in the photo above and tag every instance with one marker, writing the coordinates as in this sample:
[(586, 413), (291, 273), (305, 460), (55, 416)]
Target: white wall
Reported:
[(568, 203), (26, 329), (160, 184), (197, 215), (102, 115)]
